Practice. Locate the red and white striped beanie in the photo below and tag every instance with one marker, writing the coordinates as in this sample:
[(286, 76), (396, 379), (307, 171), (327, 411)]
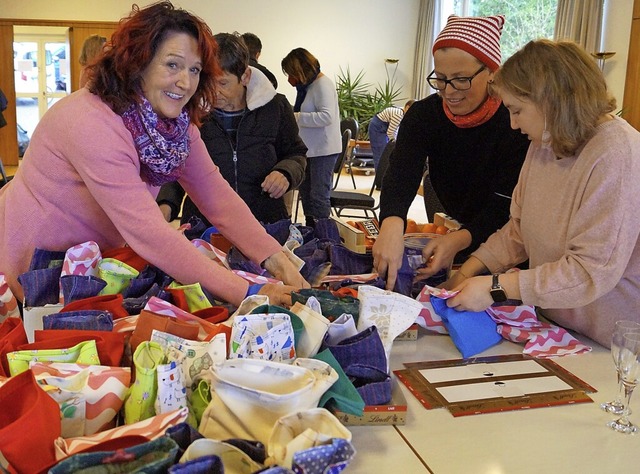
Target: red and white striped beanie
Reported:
[(477, 35)]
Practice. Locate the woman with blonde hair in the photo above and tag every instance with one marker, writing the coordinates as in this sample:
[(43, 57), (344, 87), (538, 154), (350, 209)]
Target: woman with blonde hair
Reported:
[(574, 209), (91, 48)]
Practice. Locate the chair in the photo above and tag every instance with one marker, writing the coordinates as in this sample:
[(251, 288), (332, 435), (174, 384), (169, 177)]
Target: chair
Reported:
[(350, 123), (4, 179), (431, 202), (341, 200), (337, 169)]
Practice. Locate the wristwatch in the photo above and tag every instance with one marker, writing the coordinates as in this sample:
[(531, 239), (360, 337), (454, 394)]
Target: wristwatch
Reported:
[(497, 292)]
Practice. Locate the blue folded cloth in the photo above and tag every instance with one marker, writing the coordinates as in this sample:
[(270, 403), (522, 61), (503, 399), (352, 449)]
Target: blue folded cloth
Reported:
[(471, 332)]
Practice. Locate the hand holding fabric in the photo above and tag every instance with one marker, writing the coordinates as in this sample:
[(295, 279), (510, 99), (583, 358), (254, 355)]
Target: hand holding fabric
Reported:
[(473, 294), (389, 249), (282, 269), (440, 252)]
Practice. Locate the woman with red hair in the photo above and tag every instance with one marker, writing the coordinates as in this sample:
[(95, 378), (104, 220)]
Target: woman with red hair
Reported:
[(98, 158)]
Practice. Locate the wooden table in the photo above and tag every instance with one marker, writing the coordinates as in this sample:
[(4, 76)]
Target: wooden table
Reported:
[(567, 438)]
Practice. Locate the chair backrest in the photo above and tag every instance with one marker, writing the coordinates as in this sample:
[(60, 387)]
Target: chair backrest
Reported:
[(351, 124), (3, 176), (342, 157), (383, 165)]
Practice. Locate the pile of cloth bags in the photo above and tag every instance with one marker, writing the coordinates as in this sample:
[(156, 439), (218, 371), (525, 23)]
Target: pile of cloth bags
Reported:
[(116, 367)]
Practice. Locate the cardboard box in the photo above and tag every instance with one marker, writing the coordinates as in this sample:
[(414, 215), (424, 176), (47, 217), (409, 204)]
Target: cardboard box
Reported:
[(411, 334), (352, 238), (440, 218), (393, 413)]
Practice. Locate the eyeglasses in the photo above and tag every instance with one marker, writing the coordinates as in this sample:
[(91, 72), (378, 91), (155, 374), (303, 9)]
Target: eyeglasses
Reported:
[(458, 83)]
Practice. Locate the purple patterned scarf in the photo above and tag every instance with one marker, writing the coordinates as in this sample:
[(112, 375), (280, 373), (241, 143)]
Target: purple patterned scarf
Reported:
[(163, 144)]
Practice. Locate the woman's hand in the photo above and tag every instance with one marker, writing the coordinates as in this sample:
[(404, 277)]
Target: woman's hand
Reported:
[(474, 294), (388, 250), (281, 268), (279, 295), (440, 252), (455, 280)]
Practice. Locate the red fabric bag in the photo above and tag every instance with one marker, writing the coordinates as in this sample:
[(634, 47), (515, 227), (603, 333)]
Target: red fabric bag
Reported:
[(110, 345), (29, 424), (111, 303), (12, 335), (128, 256)]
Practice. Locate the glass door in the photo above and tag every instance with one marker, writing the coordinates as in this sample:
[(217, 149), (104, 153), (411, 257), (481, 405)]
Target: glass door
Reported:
[(41, 71)]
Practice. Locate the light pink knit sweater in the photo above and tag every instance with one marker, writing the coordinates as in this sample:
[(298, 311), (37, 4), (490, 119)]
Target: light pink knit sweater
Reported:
[(80, 180), (577, 220)]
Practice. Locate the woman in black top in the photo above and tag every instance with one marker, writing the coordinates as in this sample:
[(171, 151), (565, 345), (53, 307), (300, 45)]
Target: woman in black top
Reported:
[(474, 155)]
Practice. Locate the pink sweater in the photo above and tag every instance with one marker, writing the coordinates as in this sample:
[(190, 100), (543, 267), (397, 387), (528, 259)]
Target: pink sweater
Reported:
[(578, 221), (80, 180)]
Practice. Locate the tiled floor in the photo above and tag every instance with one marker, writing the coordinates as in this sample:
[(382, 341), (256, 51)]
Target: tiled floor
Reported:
[(363, 185)]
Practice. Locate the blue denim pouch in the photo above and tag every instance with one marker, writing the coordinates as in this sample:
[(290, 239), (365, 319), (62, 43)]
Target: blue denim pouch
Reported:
[(365, 348), (41, 287), (79, 287), (348, 262), (327, 229), (279, 230), (46, 259), (471, 332), (183, 434), (84, 320), (202, 465), (237, 261)]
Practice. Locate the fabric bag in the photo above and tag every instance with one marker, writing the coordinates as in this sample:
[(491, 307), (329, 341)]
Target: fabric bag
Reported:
[(151, 428), (82, 353), (262, 336), (100, 388), (250, 395), (84, 320), (12, 335), (471, 332), (148, 321), (154, 456), (302, 430), (29, 428), (110, 345)]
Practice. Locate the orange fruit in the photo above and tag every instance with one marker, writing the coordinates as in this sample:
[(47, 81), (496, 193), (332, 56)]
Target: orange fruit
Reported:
[(429, 228), (412, 227), (441, 230)]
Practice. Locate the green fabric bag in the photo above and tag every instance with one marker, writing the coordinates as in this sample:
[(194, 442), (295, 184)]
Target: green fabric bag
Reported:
[(332, 306)]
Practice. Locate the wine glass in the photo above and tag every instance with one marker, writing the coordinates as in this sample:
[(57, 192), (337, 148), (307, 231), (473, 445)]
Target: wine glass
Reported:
[(616, 406), (629, 366)]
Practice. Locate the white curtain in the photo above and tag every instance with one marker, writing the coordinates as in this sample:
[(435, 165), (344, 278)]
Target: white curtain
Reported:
[(580, 21), (428, 17)]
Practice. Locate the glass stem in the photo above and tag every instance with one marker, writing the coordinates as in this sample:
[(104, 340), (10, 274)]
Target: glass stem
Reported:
[(628, 391), (619, 395)]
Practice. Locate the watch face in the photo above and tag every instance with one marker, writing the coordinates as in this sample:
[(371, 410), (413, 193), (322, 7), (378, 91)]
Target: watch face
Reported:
[(498, 295)]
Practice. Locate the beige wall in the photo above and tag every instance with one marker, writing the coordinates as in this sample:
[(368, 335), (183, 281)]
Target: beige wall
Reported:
[(340, 33), (358, 33)]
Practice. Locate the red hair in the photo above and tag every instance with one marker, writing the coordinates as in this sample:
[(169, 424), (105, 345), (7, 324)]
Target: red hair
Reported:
[(117, 77)]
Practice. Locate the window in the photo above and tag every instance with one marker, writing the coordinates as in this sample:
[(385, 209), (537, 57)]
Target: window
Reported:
[(525, 20)]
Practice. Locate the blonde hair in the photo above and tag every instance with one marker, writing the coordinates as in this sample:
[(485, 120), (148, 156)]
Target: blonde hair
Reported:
[(566, 85), (91, 47)]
